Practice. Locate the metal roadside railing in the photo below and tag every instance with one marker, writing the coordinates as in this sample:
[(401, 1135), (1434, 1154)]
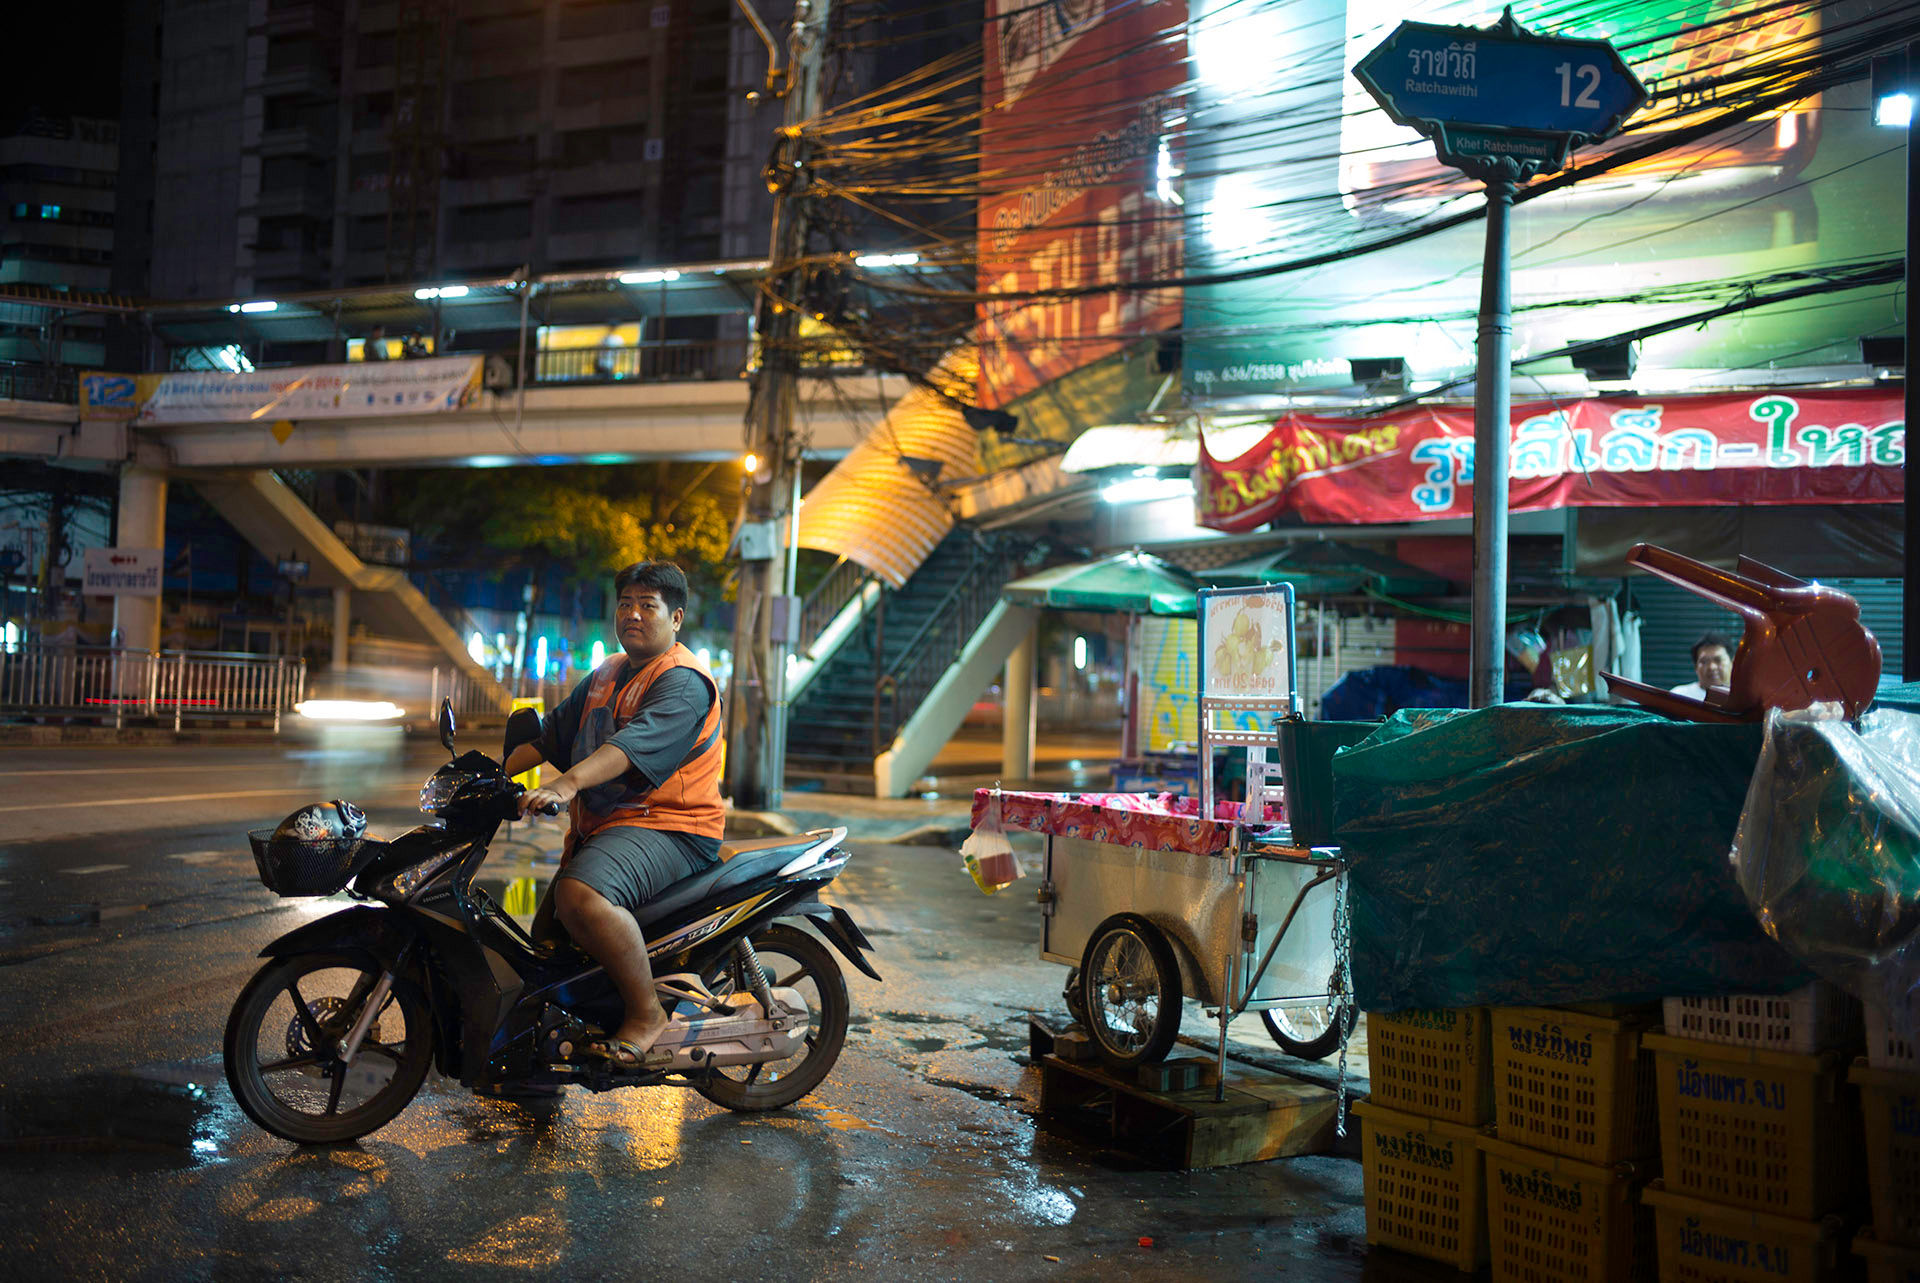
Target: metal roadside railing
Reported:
[(474, 699), (115, 684), (671, 360)]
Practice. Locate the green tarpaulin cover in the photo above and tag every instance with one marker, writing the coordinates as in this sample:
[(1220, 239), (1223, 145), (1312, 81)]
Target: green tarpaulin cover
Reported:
[(1530, 854)]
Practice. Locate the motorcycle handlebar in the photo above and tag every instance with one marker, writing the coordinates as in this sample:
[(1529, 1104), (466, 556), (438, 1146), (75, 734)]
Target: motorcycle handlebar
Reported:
[(551, 808)]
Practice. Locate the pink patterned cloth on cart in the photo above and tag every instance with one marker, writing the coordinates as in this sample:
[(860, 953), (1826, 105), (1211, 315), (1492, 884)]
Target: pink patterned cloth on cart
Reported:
[(1151, 821)]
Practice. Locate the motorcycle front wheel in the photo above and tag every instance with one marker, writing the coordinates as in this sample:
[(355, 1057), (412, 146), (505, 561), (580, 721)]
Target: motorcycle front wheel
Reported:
[(792, 959), (282, 1049)]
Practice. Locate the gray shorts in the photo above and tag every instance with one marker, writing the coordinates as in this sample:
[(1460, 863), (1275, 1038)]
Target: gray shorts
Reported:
[(631, 866)]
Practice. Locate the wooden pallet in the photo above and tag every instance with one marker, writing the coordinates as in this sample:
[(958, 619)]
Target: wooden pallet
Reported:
[(1263, 1116)]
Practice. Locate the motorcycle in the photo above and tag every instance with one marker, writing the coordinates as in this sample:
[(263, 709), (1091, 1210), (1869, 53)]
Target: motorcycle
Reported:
[(332, 1038)]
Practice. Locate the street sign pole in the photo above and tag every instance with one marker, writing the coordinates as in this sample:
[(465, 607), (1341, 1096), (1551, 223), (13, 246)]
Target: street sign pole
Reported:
[(1501, 105), (1492, 414)]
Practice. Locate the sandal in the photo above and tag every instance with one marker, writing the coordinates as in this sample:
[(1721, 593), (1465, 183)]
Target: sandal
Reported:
[(624, 1056)]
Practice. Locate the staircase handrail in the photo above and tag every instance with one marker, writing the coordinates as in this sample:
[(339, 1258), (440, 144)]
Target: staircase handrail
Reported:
[(932, 648), (829, 597)]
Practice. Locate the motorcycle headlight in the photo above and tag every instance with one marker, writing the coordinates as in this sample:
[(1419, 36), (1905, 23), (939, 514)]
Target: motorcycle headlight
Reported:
[(440, 788)]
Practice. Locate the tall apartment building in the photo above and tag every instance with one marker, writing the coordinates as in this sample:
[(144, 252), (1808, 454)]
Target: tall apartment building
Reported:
[(290, 145), (57, 176)]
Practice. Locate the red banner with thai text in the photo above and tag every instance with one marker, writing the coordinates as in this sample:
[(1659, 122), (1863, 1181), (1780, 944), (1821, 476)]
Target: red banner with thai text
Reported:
[(1803, 446)]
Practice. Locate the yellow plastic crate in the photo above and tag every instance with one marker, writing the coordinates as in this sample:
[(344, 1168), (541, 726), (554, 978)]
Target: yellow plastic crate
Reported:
[(1703, 1242), (1434, 1063), (1886, 1262), (1423, 1186), (1573, 1083), (1554, 1219), (1766, 1130), (1890, 1104)]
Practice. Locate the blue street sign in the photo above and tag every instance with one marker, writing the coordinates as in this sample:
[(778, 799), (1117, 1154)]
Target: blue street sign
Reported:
[(1429, 77)]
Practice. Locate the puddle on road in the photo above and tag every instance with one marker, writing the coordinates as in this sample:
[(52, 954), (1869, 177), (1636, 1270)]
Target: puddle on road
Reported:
[(168, 1112)]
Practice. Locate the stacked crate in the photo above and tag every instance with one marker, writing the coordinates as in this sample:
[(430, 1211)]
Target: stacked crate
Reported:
[(1430, 1091), (1758, 1135), (1889, 1083), (1575, 1138)]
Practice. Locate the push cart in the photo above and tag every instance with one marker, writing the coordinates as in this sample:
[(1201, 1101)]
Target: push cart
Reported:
[(1150, 908), (1237, 930)]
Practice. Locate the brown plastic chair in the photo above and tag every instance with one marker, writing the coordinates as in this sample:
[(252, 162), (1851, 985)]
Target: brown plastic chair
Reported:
[(1803, 645)]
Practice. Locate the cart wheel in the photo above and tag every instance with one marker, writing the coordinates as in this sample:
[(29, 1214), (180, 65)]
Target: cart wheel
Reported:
[(1071, 995), (1310, 1032), (1130, 990)]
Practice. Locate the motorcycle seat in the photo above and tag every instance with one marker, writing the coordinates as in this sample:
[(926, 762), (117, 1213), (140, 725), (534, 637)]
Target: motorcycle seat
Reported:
[(750, 861), (750, 846)]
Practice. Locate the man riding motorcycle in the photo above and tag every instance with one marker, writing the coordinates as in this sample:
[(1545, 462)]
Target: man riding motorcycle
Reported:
[(639, 745)]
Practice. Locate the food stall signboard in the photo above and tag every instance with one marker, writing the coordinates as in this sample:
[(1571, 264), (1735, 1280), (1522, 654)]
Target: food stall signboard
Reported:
[(1246, 677), (1246, 643)]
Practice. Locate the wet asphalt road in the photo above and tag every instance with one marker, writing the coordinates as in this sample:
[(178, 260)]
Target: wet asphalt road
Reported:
[(126, 932)]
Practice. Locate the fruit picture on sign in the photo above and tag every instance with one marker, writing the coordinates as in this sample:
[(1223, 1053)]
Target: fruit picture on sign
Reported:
[(1249, 652)]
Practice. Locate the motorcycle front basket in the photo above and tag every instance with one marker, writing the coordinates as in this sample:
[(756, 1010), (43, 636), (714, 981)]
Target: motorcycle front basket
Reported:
[(289, 866)]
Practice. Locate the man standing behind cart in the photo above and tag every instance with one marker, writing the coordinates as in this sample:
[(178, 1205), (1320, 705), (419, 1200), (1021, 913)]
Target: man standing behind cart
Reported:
[(639, 743), (1712, 666)]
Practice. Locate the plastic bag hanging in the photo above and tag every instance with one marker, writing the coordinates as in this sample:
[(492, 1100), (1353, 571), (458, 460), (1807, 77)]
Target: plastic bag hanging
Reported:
[(987, 854), (1828, 851)]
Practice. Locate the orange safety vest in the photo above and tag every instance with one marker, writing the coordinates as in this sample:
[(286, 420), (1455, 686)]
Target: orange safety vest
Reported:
[(688, 801)]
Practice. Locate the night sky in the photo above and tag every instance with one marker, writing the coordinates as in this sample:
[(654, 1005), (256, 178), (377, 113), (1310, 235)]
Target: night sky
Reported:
[(66, 59)]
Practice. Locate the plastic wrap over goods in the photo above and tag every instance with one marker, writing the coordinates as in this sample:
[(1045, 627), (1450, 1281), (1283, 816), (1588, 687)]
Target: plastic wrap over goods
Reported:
[(1828, 850), (1535, 854)]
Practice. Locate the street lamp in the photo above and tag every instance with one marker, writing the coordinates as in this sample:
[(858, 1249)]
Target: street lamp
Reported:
[(1894, 90)]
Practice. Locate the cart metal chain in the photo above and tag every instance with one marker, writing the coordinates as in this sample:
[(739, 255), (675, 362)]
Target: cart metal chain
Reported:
[(1342, 1004)]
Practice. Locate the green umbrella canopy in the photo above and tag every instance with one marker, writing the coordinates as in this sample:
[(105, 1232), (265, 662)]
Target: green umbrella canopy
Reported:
[(1327, 568), (1126, 583)]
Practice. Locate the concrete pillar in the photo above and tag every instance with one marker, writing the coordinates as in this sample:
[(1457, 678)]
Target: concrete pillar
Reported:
[(1018, 723), (143, 524), (342, 621)]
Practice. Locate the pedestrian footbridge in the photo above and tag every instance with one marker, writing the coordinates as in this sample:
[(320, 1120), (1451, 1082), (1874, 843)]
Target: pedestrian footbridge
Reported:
[(612, 423), (233, 465)]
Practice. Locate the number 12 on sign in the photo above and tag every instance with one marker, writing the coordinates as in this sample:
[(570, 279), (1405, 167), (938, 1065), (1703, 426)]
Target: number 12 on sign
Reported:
[(1589, 76)]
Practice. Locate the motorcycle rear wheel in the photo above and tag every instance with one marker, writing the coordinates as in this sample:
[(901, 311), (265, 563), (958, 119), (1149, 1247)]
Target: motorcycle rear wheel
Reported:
[(280, 1057), (792, 959)]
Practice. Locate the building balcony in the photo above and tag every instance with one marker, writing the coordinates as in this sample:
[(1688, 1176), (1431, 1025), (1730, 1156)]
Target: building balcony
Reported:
[(308, 263), (486, 191), (310, 199), (593, 180), (297, 140), (615, 47), (604, 245), (629, 109)]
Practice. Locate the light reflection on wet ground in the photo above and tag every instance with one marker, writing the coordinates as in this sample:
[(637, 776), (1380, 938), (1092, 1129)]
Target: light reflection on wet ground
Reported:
[(919, 1156)]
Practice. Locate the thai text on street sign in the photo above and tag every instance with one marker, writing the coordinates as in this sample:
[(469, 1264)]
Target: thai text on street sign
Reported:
[(1486, 93), (1501, 105), (121, 572)]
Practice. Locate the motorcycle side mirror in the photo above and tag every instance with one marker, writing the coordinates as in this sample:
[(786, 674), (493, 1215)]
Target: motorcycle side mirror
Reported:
[(523, 727), (446, 724)]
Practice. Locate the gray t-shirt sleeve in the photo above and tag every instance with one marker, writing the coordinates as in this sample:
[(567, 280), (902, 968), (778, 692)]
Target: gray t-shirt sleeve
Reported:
[(666, 726), (558, 728)]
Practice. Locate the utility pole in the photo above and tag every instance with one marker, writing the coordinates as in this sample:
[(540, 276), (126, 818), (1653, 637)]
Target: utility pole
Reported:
[(1492, 428), (756, 722)]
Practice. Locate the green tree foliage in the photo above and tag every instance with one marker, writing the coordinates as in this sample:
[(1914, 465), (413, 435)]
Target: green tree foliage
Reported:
[(587, 522)]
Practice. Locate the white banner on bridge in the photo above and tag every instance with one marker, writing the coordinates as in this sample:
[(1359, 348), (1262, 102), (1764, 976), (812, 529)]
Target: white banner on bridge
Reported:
[(359, 390), (122, 572)]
